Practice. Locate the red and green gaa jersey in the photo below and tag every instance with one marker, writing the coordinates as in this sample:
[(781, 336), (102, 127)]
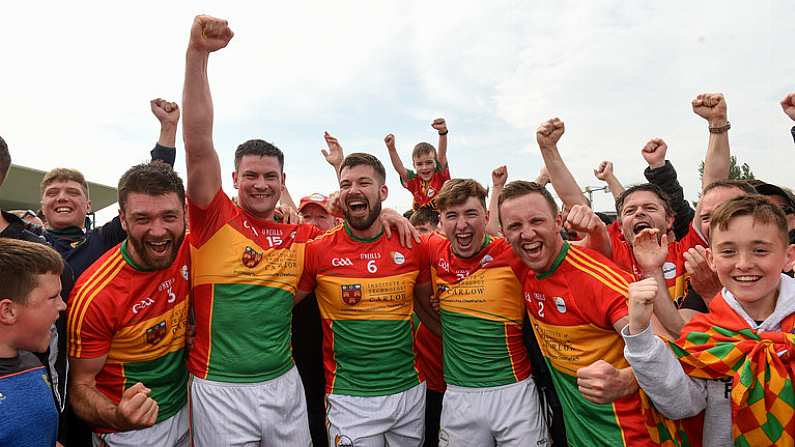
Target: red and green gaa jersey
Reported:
[(573, 309), (138, 319), (424, 193), (482, 313), (365, 291), (244, 276), (674, 268)]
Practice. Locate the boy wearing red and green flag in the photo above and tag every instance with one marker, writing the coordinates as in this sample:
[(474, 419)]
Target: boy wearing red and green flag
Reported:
[(734, 363)]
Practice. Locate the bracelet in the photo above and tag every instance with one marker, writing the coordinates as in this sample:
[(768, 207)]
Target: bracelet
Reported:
[(445, 132), (721, 129)]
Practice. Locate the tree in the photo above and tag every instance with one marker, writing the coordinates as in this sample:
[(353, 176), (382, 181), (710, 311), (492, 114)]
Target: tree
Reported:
[(741, 172)]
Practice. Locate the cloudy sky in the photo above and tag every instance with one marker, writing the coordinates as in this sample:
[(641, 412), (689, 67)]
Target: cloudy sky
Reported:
[(77, 79)]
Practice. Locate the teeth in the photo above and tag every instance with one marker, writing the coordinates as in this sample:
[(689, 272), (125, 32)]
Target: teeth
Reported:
[(62, 209), (746, 278), (531, 246)]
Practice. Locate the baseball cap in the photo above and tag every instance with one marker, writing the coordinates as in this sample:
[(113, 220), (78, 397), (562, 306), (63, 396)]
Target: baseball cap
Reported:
[(313, 199)]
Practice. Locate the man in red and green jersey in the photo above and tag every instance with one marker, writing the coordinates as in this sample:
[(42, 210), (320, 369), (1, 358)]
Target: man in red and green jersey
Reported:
[(245, 268), (576, 299), (491, 398), (364, 284), (127, 319)]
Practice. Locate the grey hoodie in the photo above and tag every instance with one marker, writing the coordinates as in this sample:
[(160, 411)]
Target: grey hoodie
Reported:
[(677, 395)]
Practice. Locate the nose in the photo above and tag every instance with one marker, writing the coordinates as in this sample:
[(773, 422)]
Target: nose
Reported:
[(157, 229), (744, 261), (61, 304)]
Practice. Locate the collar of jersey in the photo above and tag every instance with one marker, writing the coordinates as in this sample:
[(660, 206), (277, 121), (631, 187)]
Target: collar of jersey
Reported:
[(126, 255), (556, 264), (486, 241), (359, 239)]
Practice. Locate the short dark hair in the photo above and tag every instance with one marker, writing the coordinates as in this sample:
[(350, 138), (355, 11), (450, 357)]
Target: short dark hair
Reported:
[(754, 205), (519, 188), (649, 187), (422, 149), (259, 148), (424, 216), (20, 263), (5, 160), (458, 190), (154, 178), (742, 185), (360, 158)]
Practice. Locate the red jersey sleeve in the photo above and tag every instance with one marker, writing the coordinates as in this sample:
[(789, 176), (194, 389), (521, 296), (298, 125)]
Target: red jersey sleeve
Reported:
[(308, 279), (90, 332), (606, 289), (204, 223), (424, 258), (412, 182)]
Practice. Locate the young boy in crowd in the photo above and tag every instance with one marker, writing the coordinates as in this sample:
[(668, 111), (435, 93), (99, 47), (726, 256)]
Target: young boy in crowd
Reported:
[(431, 171), (734, 362), (30, 301)]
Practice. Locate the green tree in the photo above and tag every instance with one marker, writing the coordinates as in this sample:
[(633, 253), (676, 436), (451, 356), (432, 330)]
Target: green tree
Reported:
[(736, 172)]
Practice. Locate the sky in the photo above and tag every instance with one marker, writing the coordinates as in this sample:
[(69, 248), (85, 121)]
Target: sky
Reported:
[(77, 79)]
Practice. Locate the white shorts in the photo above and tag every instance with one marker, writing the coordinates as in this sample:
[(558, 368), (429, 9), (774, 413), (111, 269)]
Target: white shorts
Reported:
[(172, 432), (508, 415), (271, 413), (396, 420)]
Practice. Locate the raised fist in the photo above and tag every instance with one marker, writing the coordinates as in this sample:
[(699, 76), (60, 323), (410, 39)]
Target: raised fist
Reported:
[(711, 107), (166, 112), (136, 409), (549, 132), (334, 153), (604, 170), (440, 125), (209, 34), (499, 176), (788, 104), (389, 140), (641, 304), (583, 220), (654, 153)]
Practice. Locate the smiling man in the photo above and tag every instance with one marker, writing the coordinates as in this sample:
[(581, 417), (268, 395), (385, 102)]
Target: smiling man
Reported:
[(128, 316)]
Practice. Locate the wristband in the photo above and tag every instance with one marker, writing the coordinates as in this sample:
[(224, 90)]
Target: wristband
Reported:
[(445, 132), (720, 129)]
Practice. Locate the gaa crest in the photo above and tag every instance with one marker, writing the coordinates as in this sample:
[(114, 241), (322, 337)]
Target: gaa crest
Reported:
[(251, 257), (351, 293), (156, 333)]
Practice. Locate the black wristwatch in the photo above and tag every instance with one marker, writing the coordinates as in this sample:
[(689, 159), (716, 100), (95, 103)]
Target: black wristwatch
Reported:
[(792, 131)]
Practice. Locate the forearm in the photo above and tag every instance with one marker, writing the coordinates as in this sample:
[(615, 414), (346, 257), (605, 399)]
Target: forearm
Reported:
[(717, 161), (398, 164), (615, 186), (562, 181), (442, 150), (664, 308), (599, 240), (92, 406), (665, 177), (168, 135), (493, 225)]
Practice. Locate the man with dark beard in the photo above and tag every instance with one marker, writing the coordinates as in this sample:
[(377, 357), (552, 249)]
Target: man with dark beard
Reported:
[(365, 286), (127, 320)]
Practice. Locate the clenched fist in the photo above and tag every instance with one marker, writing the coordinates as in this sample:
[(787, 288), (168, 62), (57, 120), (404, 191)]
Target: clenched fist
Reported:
[(389, 140), (641, 304), (440, 125), (583, 220), (499, 176), (788, 104), (136, 409), (166, 112), (604, 170), (209, 34), (549, 132), (602, 383), (711, 107), (654, 153)]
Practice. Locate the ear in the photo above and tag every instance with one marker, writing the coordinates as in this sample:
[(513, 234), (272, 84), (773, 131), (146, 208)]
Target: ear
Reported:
[(383, 192), (88, 206), (234, 179), (790, 258), (710, 260), (558, 222), (669, 222), (8, 312), (284, 180), (123, 220)]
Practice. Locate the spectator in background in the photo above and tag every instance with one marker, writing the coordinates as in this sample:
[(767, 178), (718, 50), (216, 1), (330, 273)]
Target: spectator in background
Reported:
[(30, 302), (314, 210), (425, 220)]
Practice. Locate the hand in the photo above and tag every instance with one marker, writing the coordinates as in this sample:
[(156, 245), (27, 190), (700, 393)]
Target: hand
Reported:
[(641, 304), (549, 132), (334, 155), (389, 140), (209, 34), (136, 409), (499, 176), (604, 170), (654, 153), (165, 112), (711, 107), (650, 249), (440, 125), (543, 177), (406, 231), (190, 335), (788, 104), (703, 280), (602, 383), (583, 220)]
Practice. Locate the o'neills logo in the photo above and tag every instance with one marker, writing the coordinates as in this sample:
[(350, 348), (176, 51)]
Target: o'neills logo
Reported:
[(351, 293), (251, 257), (156, 333)]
